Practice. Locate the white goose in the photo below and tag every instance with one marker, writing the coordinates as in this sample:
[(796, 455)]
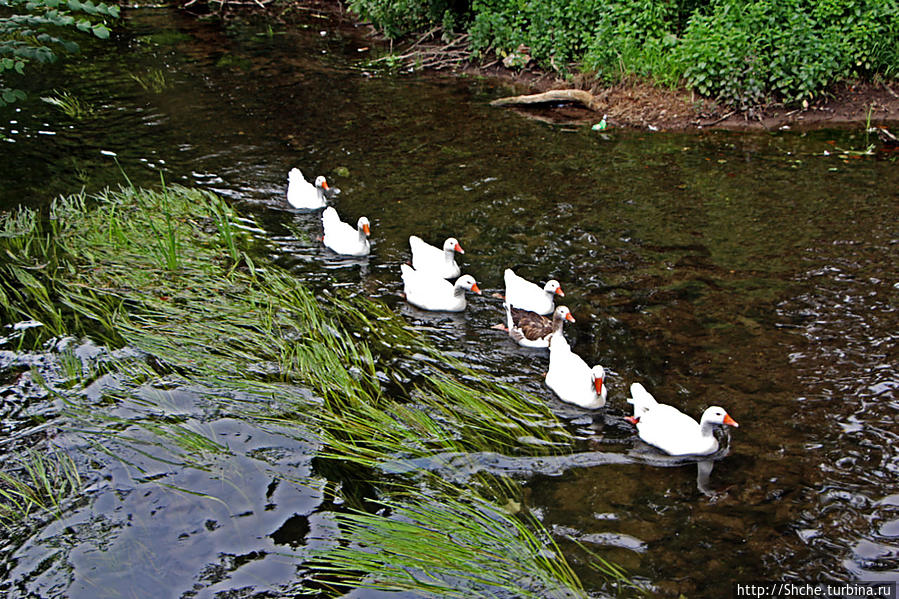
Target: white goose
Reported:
[(571, 379), (430, 292), (521, 293), (304, 195), (671, 430), (437, 261), (342, 238), (530, 329)]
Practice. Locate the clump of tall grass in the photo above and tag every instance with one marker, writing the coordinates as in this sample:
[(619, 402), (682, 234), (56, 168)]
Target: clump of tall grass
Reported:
[(38, 481), (168, 245), (452, 545), (69, 104), (153, 80)]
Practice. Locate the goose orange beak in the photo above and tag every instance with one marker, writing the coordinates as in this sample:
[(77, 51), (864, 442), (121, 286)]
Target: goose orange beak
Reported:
[(476, 289), (730, 421), (598, 385), (366, 229), (559, 292), (325, 185), (632, 419), (569, 317), (459, 249)]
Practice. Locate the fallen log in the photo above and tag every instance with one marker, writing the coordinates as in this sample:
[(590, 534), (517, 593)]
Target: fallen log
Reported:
[(578, 96)]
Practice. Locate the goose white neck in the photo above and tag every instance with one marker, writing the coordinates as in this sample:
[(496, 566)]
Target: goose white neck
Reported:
[(707, 429)]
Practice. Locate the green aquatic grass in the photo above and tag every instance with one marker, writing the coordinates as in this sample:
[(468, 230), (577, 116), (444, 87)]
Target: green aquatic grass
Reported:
[(454, 545), (168, 274), (69, 104), (153, 80), (36, 481), (168, 244)]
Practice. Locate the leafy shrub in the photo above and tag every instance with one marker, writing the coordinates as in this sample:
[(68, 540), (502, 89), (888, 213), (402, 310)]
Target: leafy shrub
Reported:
[(29, 31), (399, 17), (720, 55), (744, 52), (636, 38), (557, 31), (868, 30)]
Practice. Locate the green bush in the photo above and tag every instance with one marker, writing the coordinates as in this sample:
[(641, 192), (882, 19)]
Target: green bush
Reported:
[(636, 38), (747, 52), (869, 31), (557, 31), (396, 18), (30, 30)]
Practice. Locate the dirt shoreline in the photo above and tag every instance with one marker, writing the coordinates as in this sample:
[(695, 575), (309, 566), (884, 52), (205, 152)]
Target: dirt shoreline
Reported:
[(635, 104), (643, 106)]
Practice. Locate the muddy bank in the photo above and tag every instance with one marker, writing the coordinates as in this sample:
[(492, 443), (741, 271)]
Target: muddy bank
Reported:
[(640, 105)]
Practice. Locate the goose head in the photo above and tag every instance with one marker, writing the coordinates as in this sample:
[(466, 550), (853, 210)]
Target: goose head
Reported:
[(467, 282), (321, 182), (452, 245), (553, 287), (563, 313), (560, 315), (716, 415), (364, 226)]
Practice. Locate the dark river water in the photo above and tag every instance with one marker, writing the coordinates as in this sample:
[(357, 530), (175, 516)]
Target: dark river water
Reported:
[(759, 272)]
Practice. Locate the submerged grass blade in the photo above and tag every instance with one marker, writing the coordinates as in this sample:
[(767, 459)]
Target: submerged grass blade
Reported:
[(69, 104), (40, 481), (449, 547)]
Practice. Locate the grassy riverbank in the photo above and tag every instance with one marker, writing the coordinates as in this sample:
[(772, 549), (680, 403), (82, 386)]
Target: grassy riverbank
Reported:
[(168, 275)]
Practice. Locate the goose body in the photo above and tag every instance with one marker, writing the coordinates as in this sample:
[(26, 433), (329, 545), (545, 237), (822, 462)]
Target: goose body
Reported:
[(440, 262), (530, 329), (430, 292), (671, 430), (342, 237), (572, 379), (304, 195), (521, 293)]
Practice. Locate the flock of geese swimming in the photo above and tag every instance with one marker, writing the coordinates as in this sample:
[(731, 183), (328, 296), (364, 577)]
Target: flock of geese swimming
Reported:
[(528, 308)]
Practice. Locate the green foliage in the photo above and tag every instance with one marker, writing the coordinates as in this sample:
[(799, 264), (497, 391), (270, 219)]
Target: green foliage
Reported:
[(399, 17), (869, 31), (556, 31), (40, 480), (747, 52), (153, 80), (743, 52), (30, 29), (488, 552), (636, 38)]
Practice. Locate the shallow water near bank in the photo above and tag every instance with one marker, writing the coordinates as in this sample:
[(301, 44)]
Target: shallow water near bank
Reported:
[(749, 271)]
